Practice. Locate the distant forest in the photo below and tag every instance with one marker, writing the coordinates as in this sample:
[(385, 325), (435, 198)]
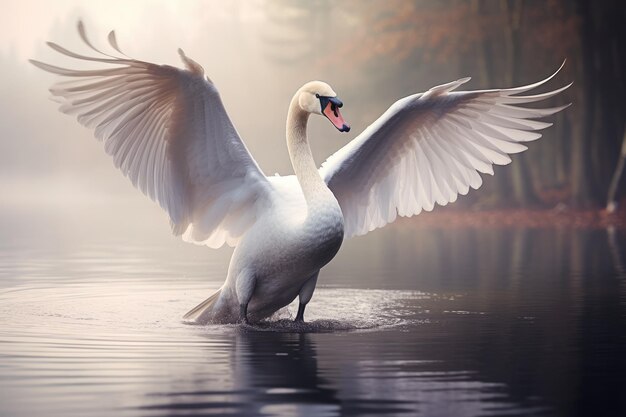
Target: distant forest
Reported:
[(500, 43)]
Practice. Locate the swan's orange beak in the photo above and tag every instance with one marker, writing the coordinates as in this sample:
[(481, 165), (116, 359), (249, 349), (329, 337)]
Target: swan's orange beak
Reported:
[(330, 108)]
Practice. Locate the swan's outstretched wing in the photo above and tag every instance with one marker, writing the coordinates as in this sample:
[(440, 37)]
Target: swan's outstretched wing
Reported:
[(168, 132), (428, 148)]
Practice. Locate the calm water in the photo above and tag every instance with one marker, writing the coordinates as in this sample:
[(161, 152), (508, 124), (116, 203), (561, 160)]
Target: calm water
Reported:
[(407, 322)]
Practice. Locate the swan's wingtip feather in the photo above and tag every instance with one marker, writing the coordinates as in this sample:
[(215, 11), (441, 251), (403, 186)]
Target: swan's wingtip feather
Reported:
[(80, 26), (558, 70), (39, 64), (112, 38), (190, 64)]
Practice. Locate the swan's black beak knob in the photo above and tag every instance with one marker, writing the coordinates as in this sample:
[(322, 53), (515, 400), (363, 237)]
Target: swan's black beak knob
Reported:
[(330, 108)]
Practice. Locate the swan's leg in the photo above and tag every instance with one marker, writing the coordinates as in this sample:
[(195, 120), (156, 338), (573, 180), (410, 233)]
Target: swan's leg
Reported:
[(244, 288), (243, 313), (306, 292)]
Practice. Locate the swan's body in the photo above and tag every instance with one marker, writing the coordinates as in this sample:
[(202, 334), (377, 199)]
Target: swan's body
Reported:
[(167, 130), (281, 254), (276, 258)]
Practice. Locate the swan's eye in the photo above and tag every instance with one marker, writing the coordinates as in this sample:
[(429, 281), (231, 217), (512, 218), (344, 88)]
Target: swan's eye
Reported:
[(317, 95)]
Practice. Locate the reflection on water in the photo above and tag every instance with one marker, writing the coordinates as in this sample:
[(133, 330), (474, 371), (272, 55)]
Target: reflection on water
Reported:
[(411, 322)]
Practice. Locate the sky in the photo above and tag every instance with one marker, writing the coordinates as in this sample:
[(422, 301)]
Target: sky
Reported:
[(25, 25)]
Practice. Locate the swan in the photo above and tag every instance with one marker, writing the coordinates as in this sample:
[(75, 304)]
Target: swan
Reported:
[(168, 132)]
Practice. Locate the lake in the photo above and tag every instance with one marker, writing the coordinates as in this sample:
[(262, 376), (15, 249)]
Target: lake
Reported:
[(405, 321)]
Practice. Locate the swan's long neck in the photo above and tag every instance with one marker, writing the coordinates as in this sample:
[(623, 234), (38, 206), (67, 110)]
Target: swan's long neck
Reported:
[(313, 187)]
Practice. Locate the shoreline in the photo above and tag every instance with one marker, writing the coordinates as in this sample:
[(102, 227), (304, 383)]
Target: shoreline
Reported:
[(518, 218)]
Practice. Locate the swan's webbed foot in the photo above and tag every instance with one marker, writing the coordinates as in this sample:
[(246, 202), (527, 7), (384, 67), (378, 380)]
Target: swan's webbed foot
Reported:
[(243, 314), (300, 316)]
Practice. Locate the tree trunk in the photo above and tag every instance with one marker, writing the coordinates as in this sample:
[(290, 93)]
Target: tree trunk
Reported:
[(521, 179), (580, 171), (611, 203)]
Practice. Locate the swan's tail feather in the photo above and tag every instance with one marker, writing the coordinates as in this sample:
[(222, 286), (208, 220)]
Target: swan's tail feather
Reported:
[(194, 314)]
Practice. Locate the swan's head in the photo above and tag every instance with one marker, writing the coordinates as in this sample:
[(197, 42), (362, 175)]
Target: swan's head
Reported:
[(318, 98)]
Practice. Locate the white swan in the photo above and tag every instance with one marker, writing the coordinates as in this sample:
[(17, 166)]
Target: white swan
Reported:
[(167, 130)]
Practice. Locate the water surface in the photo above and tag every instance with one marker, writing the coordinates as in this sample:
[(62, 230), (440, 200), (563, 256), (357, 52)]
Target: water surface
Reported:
[(407, 322)]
